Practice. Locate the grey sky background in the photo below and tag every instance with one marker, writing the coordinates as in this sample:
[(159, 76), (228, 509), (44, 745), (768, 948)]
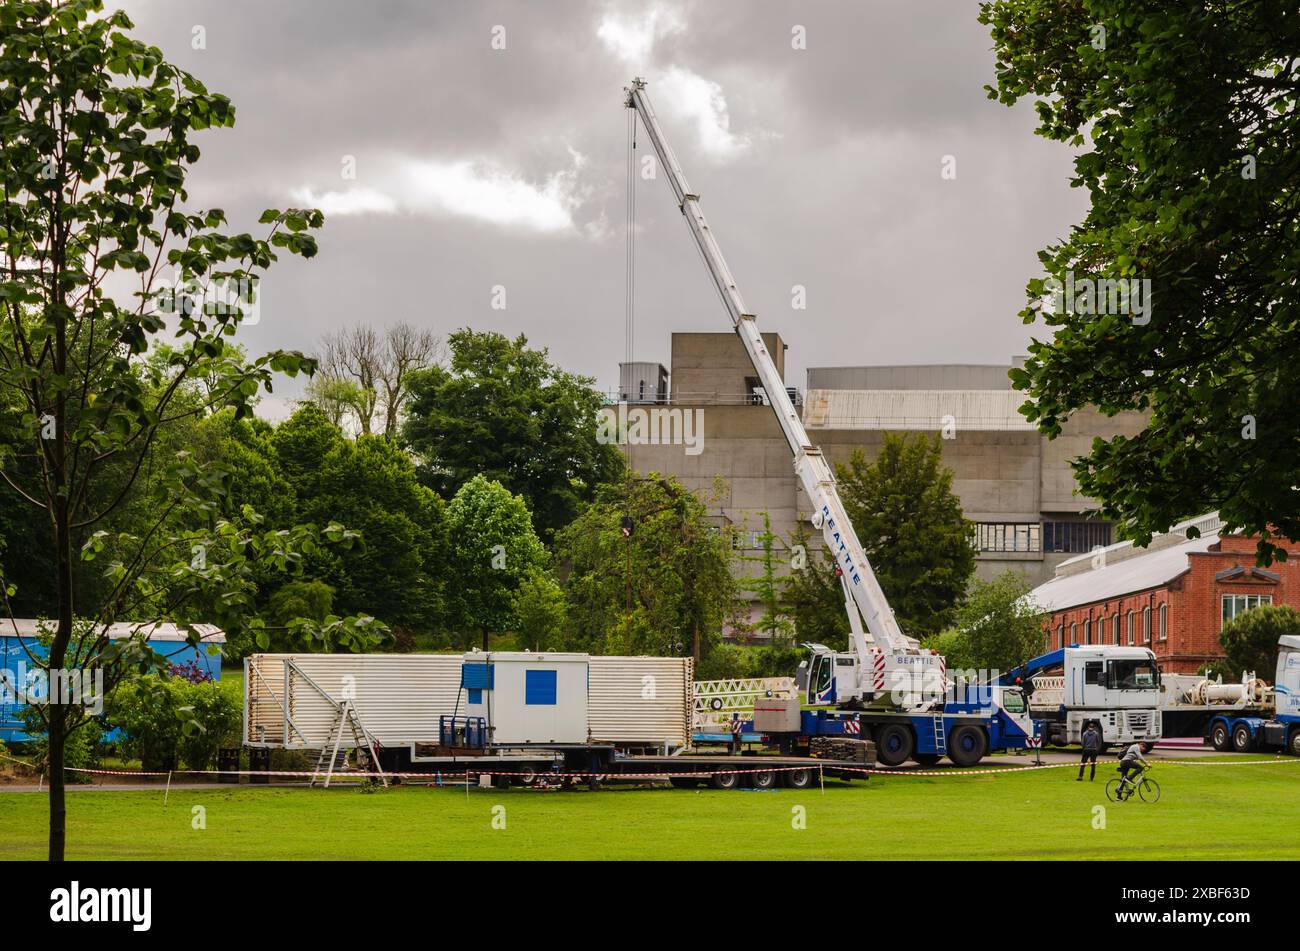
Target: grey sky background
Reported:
[(478, 167)]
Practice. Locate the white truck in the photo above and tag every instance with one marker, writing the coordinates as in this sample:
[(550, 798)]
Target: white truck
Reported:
[(1114, 685), (1242, 717)]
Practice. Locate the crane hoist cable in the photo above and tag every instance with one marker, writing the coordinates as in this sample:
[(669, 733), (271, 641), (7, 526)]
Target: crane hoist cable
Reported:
[(629, 315)]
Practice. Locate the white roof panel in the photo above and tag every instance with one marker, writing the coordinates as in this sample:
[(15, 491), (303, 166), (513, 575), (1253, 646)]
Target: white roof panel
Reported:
[(996, 410), (1137, 573), (158, 631)]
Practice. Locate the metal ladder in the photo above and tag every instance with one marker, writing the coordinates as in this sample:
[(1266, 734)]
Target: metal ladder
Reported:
[(940, 741), (329, 755)]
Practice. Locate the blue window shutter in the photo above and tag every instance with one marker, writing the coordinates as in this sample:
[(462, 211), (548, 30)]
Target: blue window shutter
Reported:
[(539, 687), (476, 676), (475, 695)]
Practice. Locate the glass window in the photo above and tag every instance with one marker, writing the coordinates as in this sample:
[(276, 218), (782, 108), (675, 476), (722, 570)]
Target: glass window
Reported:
[(1164, 622), (1235, 605), (1060, 635), (1146, 625), (1092, 672), (1115, 625), (1076, 537), (1007, 536), (1133, 674), (1130, 628), (1013, 701)]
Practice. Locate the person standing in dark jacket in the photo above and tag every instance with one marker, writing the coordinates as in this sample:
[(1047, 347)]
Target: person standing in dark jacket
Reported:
[(1091, 747)]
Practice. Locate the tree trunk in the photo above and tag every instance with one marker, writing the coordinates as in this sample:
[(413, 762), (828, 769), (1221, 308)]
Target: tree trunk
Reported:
[(485, 640)]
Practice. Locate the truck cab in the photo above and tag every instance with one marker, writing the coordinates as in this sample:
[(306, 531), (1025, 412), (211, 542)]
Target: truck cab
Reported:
[(1115, 685)]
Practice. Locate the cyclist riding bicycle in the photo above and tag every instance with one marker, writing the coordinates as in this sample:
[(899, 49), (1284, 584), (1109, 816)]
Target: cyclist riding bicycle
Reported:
[(1132, 760)]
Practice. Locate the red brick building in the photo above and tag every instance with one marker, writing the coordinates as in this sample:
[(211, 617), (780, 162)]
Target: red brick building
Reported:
[(1173, 596)]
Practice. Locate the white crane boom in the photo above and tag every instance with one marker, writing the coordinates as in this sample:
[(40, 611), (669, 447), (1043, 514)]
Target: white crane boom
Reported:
[(863, 592)]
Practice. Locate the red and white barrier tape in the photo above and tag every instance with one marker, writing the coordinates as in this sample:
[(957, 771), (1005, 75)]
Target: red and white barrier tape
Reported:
[(833, 767)]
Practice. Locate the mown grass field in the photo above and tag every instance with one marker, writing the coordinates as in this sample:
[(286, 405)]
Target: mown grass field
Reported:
[(1206, 812)]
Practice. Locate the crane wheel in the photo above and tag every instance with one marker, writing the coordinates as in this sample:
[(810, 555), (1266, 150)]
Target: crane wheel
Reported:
[(725, 780), (1242, 741), (927, 759), (1220, 738), (763, 779), (894, 744), (967, 745), (799, 778)]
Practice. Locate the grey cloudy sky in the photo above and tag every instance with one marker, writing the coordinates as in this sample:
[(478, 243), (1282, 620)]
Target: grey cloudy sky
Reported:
[(478, 167)]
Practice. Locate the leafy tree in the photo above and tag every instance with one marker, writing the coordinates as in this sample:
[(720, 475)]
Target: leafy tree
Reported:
[(98, 139), (1188, 136), (492, 549), (774, 623), (815, 596), (911, 525), (541, 613), (1250, 640), (666, 588), (504, 411), (997, 628)]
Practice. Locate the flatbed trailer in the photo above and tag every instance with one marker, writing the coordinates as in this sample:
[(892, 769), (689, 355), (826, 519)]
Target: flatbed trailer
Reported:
[(597, 766)]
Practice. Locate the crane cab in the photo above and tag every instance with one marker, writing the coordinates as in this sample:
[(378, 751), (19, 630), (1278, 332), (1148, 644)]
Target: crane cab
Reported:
[(827, 677)]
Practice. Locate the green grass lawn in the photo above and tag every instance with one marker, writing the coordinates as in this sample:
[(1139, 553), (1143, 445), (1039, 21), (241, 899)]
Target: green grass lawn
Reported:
[(1217, 812)]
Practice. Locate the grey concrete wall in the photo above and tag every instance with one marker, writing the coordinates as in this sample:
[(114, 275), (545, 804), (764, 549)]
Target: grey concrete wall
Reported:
[(964, 376), (712, 367)]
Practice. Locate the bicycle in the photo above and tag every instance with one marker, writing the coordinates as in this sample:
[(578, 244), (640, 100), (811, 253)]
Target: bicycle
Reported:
[(1121, 790)]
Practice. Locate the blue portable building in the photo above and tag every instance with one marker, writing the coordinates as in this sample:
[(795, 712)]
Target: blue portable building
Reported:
[(19, 642)]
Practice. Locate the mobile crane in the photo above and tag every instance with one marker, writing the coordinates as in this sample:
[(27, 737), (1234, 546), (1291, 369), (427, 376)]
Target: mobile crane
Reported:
[(895, 687)]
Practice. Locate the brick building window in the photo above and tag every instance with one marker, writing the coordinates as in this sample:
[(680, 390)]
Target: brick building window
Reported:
[(1087, 631), (1164, 622), (1235, 605), (1060, 635), (1074, 633), (1115, 628), (1130, 629), (1146, 625)]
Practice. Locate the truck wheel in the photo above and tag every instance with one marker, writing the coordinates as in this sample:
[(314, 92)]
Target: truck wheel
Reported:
[(799, 778), (1242, 741), (967, 745), (725, 780), (1294, 745), (894, 744), (927, 759), (1219, 737), (763, 779)]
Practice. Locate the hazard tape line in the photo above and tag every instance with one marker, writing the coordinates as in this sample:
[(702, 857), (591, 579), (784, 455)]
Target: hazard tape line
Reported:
[(356, 774)]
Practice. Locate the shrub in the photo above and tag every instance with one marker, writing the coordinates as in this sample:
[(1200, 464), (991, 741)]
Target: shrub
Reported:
[(169, 722)]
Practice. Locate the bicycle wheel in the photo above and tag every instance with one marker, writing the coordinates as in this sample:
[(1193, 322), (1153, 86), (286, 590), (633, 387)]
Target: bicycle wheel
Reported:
[(1149, 790), (1112, 791)]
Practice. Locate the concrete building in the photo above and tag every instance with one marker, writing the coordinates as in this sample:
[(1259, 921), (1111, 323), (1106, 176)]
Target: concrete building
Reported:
[(1173, 596), (1015, 484)]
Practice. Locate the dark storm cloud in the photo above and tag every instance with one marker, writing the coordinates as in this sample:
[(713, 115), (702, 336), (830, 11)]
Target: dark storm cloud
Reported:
[(481, 167)]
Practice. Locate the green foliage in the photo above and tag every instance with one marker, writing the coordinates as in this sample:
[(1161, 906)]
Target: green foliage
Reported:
[(734, 660), (651, 592), (492, 548), (1249, 640), (308, 599), (541, 612), (83, 749), (169, 722), (911, 525), (1187, 136), (775, 622), (997, 628), (503, 411), (814, 596)]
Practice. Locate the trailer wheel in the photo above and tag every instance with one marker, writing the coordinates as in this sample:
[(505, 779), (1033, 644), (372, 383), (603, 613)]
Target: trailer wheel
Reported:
[(763, 779), (927, 759), (799, 778), (1242, 741), (894, 744), (725, 780), (1220, 737), (967, 745)]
